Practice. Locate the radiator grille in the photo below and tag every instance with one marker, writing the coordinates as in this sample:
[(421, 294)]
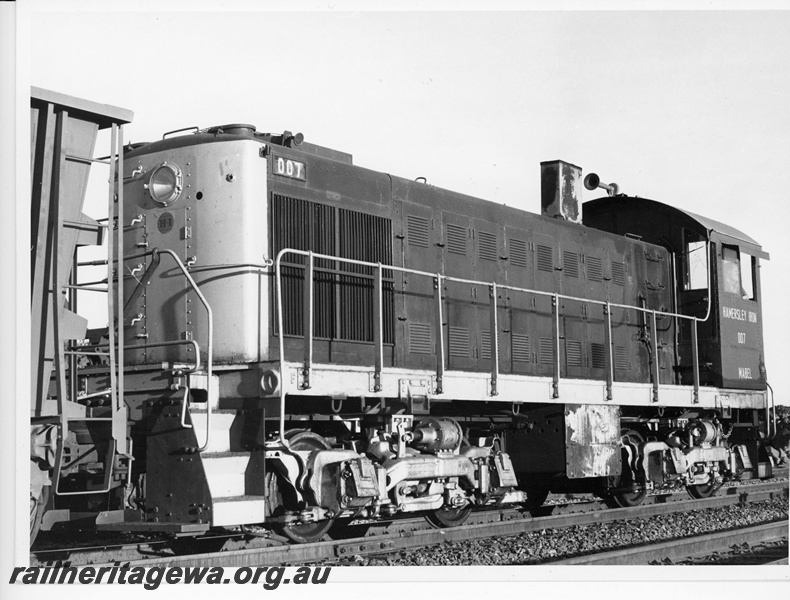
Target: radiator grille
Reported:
[(594, 268), (570, 263), (420, 339), (518, 252), (597, 355), (618, 273), (621, 361), (417, 231), (342, 293), (545, 258), (521, 350), (573, 353), (486, 245), (485, 344), (459, 342), (369, 238), (456, 239), (304, 226), (546, 351)]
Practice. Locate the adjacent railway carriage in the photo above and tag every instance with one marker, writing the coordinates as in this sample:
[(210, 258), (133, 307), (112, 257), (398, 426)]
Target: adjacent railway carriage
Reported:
[(307, 343)]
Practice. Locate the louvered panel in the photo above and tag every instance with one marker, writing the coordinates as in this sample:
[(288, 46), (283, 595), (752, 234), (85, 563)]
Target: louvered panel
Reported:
[(570, 264), (618, 273), (518, 252), (304, 225), (594, 268), (456, 238), (485, 344), (546, 351), (597, 355), (520, 347), (459, 342), (367, 238), (545, 258), (420, 341), (573, 353), (343, 298), (417, 231), (621, 361), (486, 245)]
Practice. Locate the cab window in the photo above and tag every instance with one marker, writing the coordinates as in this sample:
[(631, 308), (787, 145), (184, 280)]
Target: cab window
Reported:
[(695, 262), (738, 269), (730, 270), (748, 270)]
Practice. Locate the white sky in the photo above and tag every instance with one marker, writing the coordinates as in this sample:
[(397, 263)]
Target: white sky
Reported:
[(686, 107)]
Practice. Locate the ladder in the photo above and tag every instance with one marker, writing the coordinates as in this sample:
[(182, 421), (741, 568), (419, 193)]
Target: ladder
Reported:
[(63, 136)]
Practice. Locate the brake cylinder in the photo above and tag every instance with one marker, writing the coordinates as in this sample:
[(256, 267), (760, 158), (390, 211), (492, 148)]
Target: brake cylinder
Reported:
[(703, 432), (436, 435)]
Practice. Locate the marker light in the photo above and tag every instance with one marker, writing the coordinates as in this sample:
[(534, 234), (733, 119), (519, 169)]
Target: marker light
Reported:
[(165, 184)]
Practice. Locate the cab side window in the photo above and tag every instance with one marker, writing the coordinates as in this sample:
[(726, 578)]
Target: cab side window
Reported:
[(730, 270), (695, 262), (748, 271), (738, 270)]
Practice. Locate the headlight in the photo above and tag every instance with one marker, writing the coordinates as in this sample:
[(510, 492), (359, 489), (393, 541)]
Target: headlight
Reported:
[(165, 184)]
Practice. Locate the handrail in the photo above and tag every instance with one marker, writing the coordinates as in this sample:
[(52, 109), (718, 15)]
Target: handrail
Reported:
[(155, 252), (493, 289), (209, 348), (185, 387), (482, 283), (278, 275)]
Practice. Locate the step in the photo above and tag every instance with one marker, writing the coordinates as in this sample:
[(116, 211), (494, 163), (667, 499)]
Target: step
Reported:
[(225, 473), (221, 423), (238, 510)]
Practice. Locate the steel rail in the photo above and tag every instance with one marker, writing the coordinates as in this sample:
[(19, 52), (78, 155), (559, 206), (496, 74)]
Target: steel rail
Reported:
[(511, 523), (686, 548)]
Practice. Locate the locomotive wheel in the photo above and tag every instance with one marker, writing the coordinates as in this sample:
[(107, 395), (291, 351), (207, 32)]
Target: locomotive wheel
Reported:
[(448, 517), (306, 533), (281, 496), (537, 495), (635, 497), (537, 490), (705, 490), (629, 499)]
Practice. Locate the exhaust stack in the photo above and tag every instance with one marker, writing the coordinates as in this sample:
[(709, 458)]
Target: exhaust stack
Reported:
[(561, 191)]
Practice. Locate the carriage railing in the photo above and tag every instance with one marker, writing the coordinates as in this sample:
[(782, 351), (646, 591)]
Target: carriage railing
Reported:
[(494, 288)]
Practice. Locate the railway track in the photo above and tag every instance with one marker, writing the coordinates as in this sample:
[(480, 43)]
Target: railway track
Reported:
[(404, 534), (694, 547)]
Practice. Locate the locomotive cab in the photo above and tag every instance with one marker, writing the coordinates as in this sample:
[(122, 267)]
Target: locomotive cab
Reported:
[(717, 280)]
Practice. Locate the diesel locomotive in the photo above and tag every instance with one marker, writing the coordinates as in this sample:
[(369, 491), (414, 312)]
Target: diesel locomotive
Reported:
[(300, 343)]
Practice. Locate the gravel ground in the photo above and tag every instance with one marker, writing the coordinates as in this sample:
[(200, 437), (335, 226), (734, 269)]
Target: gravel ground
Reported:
[(549, 544), (741, 554)]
